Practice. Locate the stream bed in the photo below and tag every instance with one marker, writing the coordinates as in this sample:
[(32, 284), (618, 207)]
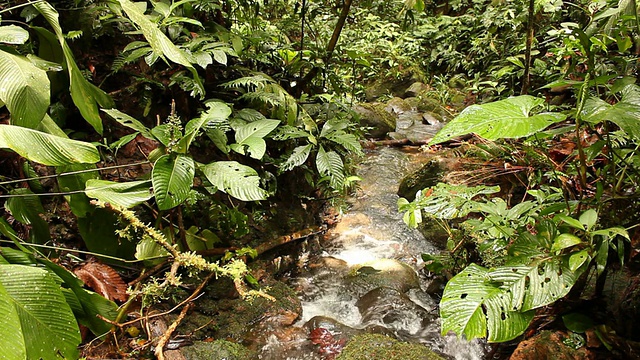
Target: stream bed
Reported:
[(365, 277)]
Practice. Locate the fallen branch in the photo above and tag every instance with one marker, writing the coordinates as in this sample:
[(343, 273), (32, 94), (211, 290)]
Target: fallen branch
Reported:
[(286, 239)]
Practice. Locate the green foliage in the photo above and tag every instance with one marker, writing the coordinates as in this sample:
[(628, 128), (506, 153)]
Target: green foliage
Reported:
[(46, 149), (509, 118)]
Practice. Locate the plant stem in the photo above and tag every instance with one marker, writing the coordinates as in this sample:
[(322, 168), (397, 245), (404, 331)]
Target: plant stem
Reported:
[(527, 55)]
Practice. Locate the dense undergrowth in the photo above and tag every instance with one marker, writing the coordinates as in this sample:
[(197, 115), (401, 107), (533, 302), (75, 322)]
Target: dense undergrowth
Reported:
[(172, 140)]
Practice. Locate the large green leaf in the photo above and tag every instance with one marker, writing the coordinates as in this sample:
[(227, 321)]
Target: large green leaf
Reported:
[(11, 339), (476, 307), (125, 194), (624, 113), (24, 90), (509, 118), (160, 43), (235, 179), (250, 137), (299, 155), (85, 95), (26, 208), (215, 116), (172, 178), (330, 164), (46, 322), (129, 122), (72, 179), (46, 149), (12, 34)]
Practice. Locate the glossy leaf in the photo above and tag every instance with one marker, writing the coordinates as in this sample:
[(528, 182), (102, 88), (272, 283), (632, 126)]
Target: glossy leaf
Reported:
[(298, 157), (46, 322), (478, 308), (14, 35), (129, 122), (25, 90), (235, 179), (509, 118), (624, 113), (85, 95), (330, 164), (126, 194), (172, 178), (160, 43), (250, 137), (564, 241), (27, 209), (215, 116), (46, 149)]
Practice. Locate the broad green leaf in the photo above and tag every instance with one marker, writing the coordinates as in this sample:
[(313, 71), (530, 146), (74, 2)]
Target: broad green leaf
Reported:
[(250, 136), (26, 208), (298, 157), (577, 322), (219, 139), (12, 342), (24, 90), (85, 95), (125, 194), (330, 164), (564, 241), (347, 141), (98, 230), (509, 118), (46, 149), (577, 259), (160, 43), (612, 231), (75, 182), (129, 122), (235, 179), (589, 219), (172, 178), (465, 299), (624, 113), (91, 303), (14, 35), (574, 223), (216, 115), (48, 325)]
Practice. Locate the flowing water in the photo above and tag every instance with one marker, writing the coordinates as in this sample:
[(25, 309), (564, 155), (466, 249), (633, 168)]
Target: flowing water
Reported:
[(372, 229)]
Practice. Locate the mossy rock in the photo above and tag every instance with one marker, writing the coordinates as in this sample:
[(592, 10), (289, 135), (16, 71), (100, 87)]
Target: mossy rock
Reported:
[(376, 118), (219, 349), (380, 347), (428, 175), (382, 273)]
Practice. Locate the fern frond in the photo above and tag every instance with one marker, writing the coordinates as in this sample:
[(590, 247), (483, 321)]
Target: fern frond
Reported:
[(254, 82), (264, 98), (347, 141), (330, 164), (298, 157)]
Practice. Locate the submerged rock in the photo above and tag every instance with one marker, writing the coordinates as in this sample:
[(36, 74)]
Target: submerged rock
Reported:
[(393, 309), (382, 273), (427, 176), (219, 349), (380, 347)]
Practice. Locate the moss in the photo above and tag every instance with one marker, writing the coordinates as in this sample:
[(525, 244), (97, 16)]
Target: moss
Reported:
[(379, 110), (380, 347), (219, 349)]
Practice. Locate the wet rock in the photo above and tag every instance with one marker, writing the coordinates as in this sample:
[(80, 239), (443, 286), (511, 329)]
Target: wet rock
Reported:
[(328, 265), (385, 87), (427, 176), (248, 321), (398, 106), (382, 273), (380, 347), (219, 349), (393, 309), (416, 88), (376, 118), (332, 325), (426, 104), (550, 345)]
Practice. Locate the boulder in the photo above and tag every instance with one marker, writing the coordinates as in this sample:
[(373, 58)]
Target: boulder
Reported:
[(382, 273), (380, 347), (427, 176), (376, 118), (416, 88), (550, 345), (394, 310), (219, 349)]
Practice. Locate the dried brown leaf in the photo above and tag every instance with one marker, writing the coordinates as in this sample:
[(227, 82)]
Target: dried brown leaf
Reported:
[(102, 279)]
